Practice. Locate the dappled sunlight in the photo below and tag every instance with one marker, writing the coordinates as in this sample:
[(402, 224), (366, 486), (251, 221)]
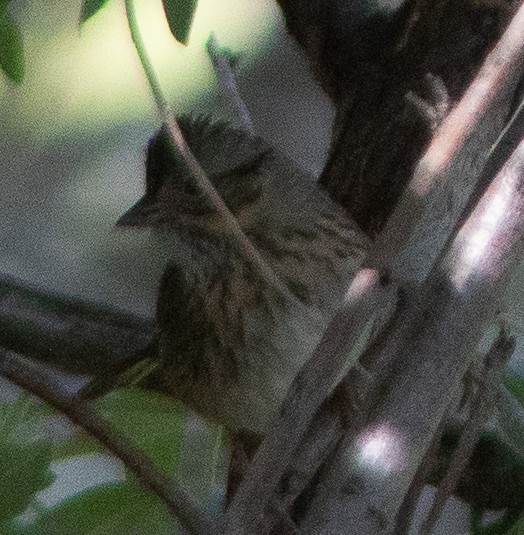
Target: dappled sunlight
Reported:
[(381, 450), (361, 284), (84, 79), (481, 241)]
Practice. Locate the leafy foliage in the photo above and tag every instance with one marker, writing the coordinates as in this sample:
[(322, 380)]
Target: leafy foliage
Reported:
[(119, 509), (154, 423), (11, 46), (179, 15), (24, 460), (90, 8), (24, 470)]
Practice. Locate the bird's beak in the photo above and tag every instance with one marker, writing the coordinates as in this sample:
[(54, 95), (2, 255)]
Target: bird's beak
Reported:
[(137, 216)]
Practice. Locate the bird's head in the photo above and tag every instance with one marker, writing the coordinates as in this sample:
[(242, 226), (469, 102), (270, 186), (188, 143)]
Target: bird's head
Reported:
[(234, 162)]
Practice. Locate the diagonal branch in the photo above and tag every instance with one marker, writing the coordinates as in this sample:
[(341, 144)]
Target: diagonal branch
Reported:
[(36, 379), (460, 296), (482, 407), (437, 169), (305, 396), (201, 179), (76, 336)]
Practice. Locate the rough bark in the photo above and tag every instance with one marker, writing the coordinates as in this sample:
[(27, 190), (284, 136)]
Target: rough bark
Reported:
[(377, 138)]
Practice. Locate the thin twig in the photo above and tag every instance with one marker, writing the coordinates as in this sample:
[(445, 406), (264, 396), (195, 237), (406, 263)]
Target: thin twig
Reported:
[(482, 407), (36, 379), (227, 80), (177, 140)]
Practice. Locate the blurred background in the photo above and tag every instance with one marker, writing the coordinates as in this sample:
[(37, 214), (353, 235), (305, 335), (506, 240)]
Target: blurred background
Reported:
[(72, 143), (74, 133)]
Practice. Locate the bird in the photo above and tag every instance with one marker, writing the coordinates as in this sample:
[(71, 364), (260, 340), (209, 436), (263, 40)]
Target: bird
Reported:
[(229, 342)]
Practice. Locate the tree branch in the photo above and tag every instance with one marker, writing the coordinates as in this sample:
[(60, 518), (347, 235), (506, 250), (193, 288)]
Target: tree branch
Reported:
[(71, 334), (35, 379), (305, 396), (437, 171), (459, 297), (482, 407), (408, 508), (377, 140), (201, 180)]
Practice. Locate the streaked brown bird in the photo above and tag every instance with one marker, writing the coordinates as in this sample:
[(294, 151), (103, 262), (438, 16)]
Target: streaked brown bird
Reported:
[(229, 343)]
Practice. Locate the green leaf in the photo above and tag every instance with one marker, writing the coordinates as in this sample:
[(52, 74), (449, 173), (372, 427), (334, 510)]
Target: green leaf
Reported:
[(116, 509), (154, 423), (11, 48), (24, 457), (3, 4), (24, 470), (90, 8), (179, 15), (80, 443), (13, 528)]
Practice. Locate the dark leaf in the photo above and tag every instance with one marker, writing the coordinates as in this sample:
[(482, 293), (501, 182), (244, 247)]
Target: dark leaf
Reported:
[(11, 48), (90, 8), (179, 15), (24, 470)]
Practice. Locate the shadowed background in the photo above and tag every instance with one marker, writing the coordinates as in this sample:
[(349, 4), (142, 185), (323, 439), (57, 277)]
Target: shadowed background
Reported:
[(72, 147)]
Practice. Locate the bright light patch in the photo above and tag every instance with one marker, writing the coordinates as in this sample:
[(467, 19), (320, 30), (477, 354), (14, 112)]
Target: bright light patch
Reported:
[(389, 6), (79, 474), (361, 284), (477, 242), (380, 449), (91, 78), (114, 77)]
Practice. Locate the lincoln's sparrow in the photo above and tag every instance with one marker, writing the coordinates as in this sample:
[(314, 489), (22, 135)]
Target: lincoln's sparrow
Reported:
[(229, 343)]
